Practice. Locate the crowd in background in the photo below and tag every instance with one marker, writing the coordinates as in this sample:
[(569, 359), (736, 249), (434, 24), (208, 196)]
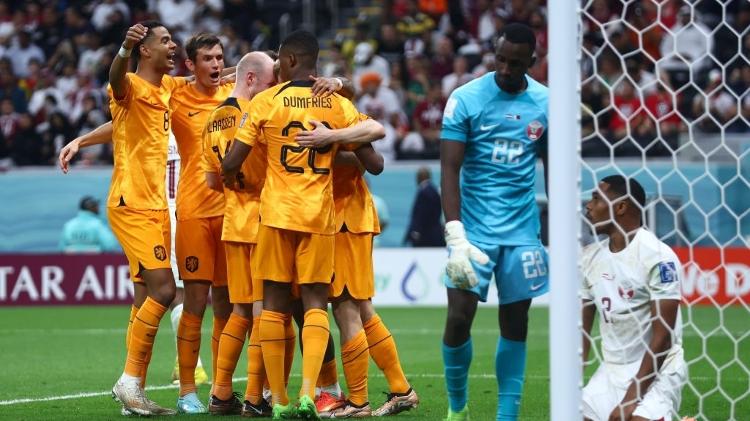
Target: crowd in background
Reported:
[(651, 69)]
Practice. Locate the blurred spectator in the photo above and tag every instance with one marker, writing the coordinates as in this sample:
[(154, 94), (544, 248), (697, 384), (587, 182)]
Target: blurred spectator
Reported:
[(46, 98), (718, 108), (413, 24), (685, 48), (87, 233), (427, 118), (178, 16), (8, 120), (487, 65), (425, 228), (22, 51), (366, 61), (102, 15), (629, 120), (418, 84), (381, 103), (50, 32), (661, 107), (90, 54), (390, 46), (361, 34), (27, 146), (56, 131), (434, 8), (442, 62), (644, 80), (459, 77)]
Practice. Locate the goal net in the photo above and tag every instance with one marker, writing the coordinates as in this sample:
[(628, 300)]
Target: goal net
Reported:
[(665, 100)]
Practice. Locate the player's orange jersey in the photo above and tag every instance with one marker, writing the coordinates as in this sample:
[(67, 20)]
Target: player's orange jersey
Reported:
[(190, 109), (241, 208), (354, 205), (298, 193), (140, 137)]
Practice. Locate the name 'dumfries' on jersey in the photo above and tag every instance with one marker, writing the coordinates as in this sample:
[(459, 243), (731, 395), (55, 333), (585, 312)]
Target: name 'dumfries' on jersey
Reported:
[(222, 124), (307, 102)]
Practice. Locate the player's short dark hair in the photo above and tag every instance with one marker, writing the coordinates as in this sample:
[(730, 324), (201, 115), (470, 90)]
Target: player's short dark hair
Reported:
[(303, 44), (202, 40), (150, 25), (518, 33), (624, 186), (273, 54)]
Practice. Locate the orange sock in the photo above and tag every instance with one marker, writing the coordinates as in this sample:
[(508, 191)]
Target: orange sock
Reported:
[(356, 359), (230, 346), (188, 347), (272, 341), (314, 340), (256, 371), (219, 324), (384, 353), (142, 335), (133, 311), (290, 342), (328, 375), (146, 363)]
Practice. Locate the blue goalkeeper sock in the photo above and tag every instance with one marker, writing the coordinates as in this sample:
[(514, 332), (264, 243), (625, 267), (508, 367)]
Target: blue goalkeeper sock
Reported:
[(457, 361), (510, 364)]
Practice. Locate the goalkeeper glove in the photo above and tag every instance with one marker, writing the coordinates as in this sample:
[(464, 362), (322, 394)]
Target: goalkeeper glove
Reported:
[(460, 255)]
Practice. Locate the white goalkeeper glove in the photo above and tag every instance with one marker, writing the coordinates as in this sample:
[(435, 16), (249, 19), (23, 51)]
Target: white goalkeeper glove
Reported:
[(460, 255)]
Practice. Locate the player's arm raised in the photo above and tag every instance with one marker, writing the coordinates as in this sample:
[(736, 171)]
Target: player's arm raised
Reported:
[(664, 317), (120, 84), (98, 136)]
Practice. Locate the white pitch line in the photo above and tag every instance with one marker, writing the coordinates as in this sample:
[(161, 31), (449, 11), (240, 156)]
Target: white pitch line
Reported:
[(239, 379)]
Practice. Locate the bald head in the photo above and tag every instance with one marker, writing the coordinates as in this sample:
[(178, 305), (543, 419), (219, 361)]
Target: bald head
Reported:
[(256, 70)]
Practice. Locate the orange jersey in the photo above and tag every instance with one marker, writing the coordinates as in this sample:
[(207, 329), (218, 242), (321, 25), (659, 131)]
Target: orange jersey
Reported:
[(140, 138), (241, 207), (354, 206), (190, 109), (298, 193)]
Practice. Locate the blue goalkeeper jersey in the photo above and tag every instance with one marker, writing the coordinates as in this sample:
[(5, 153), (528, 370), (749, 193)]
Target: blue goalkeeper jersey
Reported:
[(504, 134)]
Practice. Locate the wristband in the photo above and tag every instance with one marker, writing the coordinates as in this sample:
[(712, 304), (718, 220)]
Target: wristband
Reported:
[(341, 84), (124, 52)]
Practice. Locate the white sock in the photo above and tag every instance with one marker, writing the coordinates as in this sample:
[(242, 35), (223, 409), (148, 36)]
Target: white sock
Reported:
[(126, 378), (333, 389), (267, 395), (175, 317)]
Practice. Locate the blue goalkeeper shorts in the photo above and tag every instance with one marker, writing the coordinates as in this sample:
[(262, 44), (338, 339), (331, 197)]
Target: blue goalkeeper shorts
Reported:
[(520, 272)]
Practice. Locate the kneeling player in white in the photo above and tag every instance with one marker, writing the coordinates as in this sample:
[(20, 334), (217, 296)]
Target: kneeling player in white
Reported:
[(633, 280)]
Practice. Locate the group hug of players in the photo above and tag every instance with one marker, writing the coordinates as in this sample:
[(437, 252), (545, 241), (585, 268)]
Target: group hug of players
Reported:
[(274, 218)]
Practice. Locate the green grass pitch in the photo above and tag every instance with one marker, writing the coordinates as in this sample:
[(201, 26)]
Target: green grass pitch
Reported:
[(61, 351)]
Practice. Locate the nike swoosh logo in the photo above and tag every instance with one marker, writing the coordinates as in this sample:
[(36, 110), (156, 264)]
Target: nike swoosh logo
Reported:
[(483, 127), (536, 287), (195, 113)]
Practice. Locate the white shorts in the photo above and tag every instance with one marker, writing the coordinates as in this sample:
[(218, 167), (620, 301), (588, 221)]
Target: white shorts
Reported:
[(610, 382), (173, 261)]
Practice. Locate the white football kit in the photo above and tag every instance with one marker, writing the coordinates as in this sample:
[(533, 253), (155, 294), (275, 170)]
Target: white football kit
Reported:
[(173, 176), (622, 285)]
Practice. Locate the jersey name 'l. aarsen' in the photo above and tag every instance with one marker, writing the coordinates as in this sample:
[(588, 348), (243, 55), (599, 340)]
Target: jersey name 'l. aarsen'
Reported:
[(222, 124)]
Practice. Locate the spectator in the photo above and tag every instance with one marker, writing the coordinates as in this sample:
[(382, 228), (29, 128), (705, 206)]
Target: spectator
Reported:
[(414, 23), (419, 83), (390, 46), (644, 80), (425, 228), (46, 98), (459, 76), (56, 131), (629, 120), (717, 106), (366, 61), (104, 11), (8, 120), (661, 106), (50, 32), (22, 52), (27, 146), (178, 16), (361, 34), (441, 63), (381, 103), (684, 49), (90, 54), (427, 121), (86, 233)]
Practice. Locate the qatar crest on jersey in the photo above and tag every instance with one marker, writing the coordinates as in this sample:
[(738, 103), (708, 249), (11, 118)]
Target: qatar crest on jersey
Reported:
[(626, 294), (534, 130)]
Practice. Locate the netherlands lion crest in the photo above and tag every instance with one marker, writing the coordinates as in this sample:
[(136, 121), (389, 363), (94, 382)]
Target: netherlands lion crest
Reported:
[(191, 263), (160, 253)]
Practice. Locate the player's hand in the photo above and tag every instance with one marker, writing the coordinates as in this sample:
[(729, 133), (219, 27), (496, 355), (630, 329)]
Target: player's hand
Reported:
[(325, 86), (135, 33), (320, 136), (460, 255), (230, 78), (623, 411), (66, 154)]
